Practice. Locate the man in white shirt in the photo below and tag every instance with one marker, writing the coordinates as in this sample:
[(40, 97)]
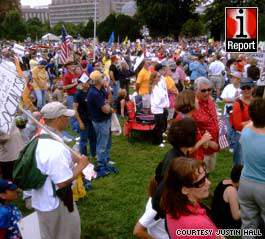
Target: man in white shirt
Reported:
[(216, 72), (229, 95), (53, 159)]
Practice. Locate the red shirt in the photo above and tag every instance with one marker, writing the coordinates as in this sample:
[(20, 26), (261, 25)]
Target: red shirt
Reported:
[(238, 116), (206, 119), (70, 78), (199, 153), (198, 220)]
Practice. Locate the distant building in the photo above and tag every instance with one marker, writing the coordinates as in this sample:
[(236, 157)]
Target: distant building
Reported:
[(41, 13), (80, 11)]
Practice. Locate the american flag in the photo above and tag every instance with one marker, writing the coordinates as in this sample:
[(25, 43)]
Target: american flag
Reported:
[(223, 142), (65, 47)]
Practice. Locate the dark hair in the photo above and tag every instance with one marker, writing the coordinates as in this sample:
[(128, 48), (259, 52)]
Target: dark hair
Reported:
[(182, 172), (200, 57), (152, 187), (178, 62), (235, 173), (183, 133), (185, 101), (256, 111)]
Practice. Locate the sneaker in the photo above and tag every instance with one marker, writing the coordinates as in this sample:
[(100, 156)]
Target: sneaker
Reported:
[(111, 169), (111, 162), (218, 100), (164, 141), (164, 134), (162, 145), (231, 150), (77, 139)]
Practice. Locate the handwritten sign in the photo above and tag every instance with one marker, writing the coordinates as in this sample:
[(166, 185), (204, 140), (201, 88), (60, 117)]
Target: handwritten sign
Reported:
[(11, 90), (19, 50), (259, 57), (84, 78)]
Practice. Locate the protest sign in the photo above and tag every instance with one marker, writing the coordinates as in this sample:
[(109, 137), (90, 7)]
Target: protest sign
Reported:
[(11, 90), (29, 226), (138, 62), (84, 78), (19, 50)]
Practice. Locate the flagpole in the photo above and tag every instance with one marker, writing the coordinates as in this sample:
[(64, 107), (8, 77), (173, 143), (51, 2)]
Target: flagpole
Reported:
[(95, 26)]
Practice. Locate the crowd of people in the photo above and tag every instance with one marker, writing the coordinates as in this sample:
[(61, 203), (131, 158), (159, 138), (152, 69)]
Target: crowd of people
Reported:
[(183, 86)]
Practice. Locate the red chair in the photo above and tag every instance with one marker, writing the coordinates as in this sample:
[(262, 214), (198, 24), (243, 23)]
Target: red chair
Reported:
[(136, 122)]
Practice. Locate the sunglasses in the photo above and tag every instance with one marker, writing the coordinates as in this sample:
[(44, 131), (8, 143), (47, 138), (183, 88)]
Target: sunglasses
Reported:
[(205, 90), (247, 87), (201, 182)]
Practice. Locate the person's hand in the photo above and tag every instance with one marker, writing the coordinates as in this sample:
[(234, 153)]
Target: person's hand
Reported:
[(81, 125), (206, 137), (213, 145), (82, 161), (115, 82)]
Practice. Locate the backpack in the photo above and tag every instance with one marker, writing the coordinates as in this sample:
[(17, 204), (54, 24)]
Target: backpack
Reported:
[(26, 174)]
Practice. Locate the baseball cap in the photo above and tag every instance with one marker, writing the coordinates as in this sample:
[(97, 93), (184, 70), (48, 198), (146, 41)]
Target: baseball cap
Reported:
[(7, 185), (43, 63), (56, 109), (247, 82), (95, 76)]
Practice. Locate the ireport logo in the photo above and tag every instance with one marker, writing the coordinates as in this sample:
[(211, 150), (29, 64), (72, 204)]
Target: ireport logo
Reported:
[(241, 29)]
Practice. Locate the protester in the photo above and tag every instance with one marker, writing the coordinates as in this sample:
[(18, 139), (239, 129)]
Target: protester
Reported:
[(251, 191), (58, 215), (99, 102), (10, 146), (10, 215), (159, 104), (147, 226), (206, 119), (182, 75), (142, 83), (253, 71), (115, 78), (40, 83), (125, 76), (185, 185), (230, 94), (240, 116), (82, 113), (225, 205), (216, 75)]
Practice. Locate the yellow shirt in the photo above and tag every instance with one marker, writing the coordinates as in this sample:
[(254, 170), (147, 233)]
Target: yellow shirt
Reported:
[(143, 81), (41, 75), (170, 83)]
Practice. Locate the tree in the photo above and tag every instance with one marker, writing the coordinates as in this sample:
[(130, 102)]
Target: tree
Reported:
[(70, 28), (34, 28), (193, 28), (6, 6), (88, 30), (165, 17), (106, 27), (14, 26)]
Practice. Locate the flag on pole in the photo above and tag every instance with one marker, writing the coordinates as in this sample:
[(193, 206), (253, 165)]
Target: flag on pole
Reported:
[(111, 39), (223, 142), (65, 47), (125, 40)]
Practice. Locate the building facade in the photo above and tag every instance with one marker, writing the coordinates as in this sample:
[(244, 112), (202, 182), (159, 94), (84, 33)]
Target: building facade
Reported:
[(41, 13)]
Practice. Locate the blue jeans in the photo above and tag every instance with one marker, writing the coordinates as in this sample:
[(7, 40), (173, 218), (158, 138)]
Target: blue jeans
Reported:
[(88, 134), (41, 98), (115, 89), (237, 157), (231, 133), (73, 121), (103, 133)]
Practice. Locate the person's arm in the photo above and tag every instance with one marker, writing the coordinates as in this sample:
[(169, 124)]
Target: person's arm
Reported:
[(231, 194), (122, 107), (141, 232), (204, 140), (81, 124), (110, 96), (82, 162), (66, 87), (112, 77)]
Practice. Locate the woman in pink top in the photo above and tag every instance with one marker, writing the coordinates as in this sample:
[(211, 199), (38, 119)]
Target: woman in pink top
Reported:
[(185, 184)]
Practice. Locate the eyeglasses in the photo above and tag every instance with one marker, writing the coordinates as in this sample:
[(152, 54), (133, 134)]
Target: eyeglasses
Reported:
[(201, 182), (205, 90), (247, 87)]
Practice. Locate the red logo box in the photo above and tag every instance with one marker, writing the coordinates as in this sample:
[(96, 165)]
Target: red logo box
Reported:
[(241, 29)]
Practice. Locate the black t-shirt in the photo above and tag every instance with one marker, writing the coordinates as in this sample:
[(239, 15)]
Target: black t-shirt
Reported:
[(81, 98), (115, 71)]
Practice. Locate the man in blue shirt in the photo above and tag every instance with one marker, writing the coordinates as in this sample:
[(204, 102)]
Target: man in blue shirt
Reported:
[(99, 103)]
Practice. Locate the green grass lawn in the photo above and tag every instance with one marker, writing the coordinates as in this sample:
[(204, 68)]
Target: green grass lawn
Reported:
[(115, 202)]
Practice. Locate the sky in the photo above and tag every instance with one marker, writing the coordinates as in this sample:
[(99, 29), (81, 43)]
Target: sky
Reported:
[(34, 3)]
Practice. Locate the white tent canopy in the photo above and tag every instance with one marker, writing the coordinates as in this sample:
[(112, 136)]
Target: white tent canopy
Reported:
[(51, 37)]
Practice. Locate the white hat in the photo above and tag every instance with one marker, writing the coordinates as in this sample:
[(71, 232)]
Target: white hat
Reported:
[(54, 110)]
